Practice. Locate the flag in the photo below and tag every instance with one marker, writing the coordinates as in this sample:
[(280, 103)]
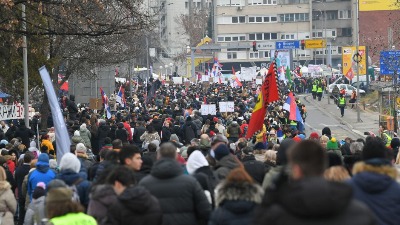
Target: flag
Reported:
[(268, 95), (62, 141), (116, 71), (291, 106), (121, 96), (288, 75), (105, 102), (237, 81), (350, 74)]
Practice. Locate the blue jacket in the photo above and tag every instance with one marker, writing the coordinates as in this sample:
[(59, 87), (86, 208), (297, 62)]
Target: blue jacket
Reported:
[(379, 191), (83, 186), (43, 173)]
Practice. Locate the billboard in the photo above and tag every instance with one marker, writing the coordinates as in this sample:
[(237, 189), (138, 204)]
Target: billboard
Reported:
[(347, 59), (378, 5)]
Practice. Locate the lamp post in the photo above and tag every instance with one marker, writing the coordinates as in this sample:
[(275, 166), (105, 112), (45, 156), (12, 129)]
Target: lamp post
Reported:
[(161, 67), (166, 70), (171, 65)]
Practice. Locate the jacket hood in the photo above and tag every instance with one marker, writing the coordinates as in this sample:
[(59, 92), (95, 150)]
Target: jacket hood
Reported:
[(195, 161), (166, 168), (137, 199), (239, 206), (234, 124), (228, 161), (4, 186), (227, 191), (315, 197), (373, 179), (103, 193), (68, 176)]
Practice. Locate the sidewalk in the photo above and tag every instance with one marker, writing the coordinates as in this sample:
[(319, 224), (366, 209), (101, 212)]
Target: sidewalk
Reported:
[(369, 120)]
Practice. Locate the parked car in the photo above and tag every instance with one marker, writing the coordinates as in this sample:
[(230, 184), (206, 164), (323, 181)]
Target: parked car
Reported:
[(349, 89), (363, 85)]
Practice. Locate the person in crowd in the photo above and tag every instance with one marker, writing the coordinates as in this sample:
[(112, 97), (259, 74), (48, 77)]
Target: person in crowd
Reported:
[(134, 204), (256, 169), (374, 182), (86, 135), (138, 132), (102, 133), (165, 131), (323, 140), (46, 142), (70, 167), (342, 104), (80, 152), (61, 209), (33, 211), (42, 173), (233, 131), (24, 133), (131, 157), (8, 203), (151, 152), (20, 174), (189, 130), (225, 161), (150, 135), (121, 133), (308, 198), (167, 182), (237, 198), (76, 138), (336, 171)]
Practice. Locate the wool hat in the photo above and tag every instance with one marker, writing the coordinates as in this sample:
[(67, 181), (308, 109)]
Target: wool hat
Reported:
[(221, 151), (69, 161), (80, 147), (38, 192), (302, 136), (314, 135), (326, 131), (174, 137), (195, 161), (43, 160), (76, 133), (297, 139), (83, 126), (59, 195), (332, 144)]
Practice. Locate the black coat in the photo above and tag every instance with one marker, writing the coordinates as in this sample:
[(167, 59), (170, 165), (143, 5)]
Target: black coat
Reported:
[(188, 131), (20, 174), (165, 134), (138, 131), (135, 206), (102, 133), (181, 198), (312, 201), (24, 133), (254, 168), (122, 135)]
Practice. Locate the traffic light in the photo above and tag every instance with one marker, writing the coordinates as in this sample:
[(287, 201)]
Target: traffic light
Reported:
[(303, 44), (254, 46)]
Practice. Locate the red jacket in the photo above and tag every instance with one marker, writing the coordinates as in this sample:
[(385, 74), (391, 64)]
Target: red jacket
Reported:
[(128, 128)]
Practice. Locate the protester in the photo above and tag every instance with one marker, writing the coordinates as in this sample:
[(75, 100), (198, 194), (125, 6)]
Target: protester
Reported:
[(8, 204)]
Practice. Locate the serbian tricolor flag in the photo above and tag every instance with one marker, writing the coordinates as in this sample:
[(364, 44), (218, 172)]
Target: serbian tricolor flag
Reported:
[(237, 81), (105, 102), (291, 106), (269, 94), (121, 96)]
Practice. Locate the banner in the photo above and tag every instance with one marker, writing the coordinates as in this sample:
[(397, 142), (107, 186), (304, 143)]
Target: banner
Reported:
[(63, 142), (347, 59), (208, 109), (226, 106), (11, 112), (177, 80)]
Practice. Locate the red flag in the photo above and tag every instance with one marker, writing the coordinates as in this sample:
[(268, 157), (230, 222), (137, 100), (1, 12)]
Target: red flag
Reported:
[(270, 85), (350, 74)]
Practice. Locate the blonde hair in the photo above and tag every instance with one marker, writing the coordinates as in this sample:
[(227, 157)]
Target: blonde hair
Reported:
[(270, 155), (324, 138), (336, 173)]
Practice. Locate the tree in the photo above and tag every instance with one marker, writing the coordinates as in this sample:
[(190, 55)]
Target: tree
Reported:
[(194, 24)]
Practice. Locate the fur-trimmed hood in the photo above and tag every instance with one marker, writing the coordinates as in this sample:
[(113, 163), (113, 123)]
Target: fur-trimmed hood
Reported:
[(238, 191), (374, 179), (387, 170)]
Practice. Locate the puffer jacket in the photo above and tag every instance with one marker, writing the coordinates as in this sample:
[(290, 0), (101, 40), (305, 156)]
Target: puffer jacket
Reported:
[(233, 130), (101, 198), (85, 135), (35, 212), (225, 165), (8, 204)]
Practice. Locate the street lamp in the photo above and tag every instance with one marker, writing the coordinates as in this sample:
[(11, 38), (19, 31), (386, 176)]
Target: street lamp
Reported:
[(161, 67)]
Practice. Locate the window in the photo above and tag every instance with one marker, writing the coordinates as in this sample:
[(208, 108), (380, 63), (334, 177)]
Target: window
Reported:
[(235, 38), (262, 2), (186, 5), (259, 36), (252, 37), (345, 32), (242, 38), (231, 55), (287, 36), (264, 54), (263, 36), (274, 18), (334, 33), (239, 19), (266, 19), (229, 38), (262, 19), (332, 15), (220, 39), (253, 55), (292, 17), (259, 19), (344, 14)]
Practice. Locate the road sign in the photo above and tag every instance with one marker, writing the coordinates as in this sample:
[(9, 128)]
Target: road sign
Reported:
[(287, 44), (318, 43), (265, 45), (389, 62)]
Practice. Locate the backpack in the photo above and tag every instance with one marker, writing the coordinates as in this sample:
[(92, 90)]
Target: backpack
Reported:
[(74, 189)]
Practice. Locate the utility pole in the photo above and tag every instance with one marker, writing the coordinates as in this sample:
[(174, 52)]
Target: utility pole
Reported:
[(358, 64), (25, 65)]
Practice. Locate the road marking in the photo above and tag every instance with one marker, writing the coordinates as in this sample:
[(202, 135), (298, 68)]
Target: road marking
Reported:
[(327, 125)]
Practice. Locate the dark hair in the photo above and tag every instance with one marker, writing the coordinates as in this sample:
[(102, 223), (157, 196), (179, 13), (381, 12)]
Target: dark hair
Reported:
[(103, 153), (128, 151), (55, 209), (107, 141), (122, 174), (241, 145), (117, 143), (44, 149), (150, 129), (310, 157), (167, 150), (28, 157), (152, 147), (374, 148)]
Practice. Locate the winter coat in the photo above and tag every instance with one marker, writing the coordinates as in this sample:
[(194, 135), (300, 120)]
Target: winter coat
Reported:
[(35, 212), (25, 134), (8, 204), (233, 130), (85, 135), (189, 131), (102, 133), (149, 137), (376, 186), (181, 198), (312, 201), (84, 159), (129, 130), (76, 140), (137, 133), (83, 186), (254, 168), (165, 134), (122, 135), (236, 203), (20, 174), (135, 206), (225, 165), (42, 173), (48, 144), (157, 123), (101, 198)]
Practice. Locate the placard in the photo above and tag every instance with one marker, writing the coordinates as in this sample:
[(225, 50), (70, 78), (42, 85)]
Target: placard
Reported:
[(10, 112), (226, 106), (205, 78), (259, 81), (177, 80), (208, 109), (95, 103)]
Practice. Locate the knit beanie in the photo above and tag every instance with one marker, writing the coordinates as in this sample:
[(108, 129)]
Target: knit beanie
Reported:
[(71, 162), (80, 147), (332, 144), (76, 133), (297, 139), (326, 131), (195, 161), (221, 151), (314, 135), (38, 192), (59, 195)]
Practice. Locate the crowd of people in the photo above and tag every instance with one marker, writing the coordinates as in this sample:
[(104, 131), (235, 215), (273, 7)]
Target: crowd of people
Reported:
[(160, 161)]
